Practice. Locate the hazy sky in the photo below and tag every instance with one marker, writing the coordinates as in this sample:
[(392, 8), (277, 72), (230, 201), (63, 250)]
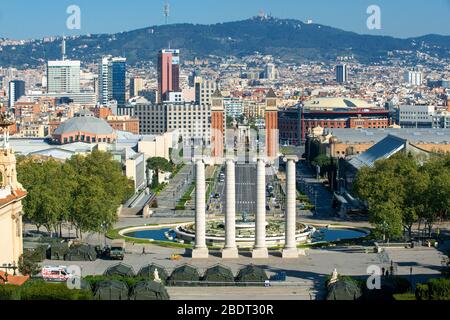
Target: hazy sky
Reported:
[(21, 19)]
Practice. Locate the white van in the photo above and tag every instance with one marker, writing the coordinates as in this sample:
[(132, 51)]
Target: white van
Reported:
[(55, 274)]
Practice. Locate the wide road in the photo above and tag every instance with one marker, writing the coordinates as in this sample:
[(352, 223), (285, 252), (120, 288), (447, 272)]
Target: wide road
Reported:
[(245, 188)]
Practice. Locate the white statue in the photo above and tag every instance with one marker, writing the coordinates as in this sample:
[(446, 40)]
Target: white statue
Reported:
[(334, 277), (156, 276)]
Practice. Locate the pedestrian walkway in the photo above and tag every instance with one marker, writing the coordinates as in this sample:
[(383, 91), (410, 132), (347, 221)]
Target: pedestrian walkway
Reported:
[(318, 194), (178, 185)]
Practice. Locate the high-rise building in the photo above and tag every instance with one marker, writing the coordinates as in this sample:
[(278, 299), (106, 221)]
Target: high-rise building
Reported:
[(414, 78), (204, 89), (16, 90), (271, 72), (63, 76), (136, 85), (112, 80), (168, 72), (341, 73)]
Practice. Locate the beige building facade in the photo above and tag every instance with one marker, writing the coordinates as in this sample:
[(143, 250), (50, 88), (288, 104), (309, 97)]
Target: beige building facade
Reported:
[(11, 195)]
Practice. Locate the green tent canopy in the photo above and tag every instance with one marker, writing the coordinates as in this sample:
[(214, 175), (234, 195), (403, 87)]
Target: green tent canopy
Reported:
[(58, 251), (121, 270), (219, 273), (344, 290), (81, 253), (111, 290), (252, 276), (184, 276), (149, 290), (149, 270)]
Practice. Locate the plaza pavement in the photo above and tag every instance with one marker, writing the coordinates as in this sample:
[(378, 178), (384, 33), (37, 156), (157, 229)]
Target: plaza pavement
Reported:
[(306, 275)]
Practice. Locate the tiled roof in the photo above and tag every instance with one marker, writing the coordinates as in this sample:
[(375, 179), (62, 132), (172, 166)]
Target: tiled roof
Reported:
[(13, 280)]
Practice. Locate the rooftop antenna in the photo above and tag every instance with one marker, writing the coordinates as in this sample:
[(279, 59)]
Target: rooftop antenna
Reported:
[(166, 11), (63, 48)]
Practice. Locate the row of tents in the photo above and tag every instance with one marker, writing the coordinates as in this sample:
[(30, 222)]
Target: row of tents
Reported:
[(78, 252), (187, 275), (119, 290)]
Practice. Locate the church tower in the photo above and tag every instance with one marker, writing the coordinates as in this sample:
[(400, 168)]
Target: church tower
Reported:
[(11, 195)]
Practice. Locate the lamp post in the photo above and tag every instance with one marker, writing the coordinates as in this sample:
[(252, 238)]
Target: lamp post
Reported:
[(385, 227), (411, 278), (9, 266)]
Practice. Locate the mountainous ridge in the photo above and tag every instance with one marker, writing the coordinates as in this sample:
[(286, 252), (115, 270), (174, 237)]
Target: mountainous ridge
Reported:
[(288, 39)]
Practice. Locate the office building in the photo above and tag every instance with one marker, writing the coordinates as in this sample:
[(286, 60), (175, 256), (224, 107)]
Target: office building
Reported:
[(416, 116), (136, 85), (271, 72), (16, 90), (168, 72), (112, 80), (63, 76), (341, 73), (204, 89), (192, 121)]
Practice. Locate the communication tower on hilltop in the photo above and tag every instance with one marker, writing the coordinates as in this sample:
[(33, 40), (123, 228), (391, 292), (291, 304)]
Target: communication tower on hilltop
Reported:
[(166, 11), (261, 14)]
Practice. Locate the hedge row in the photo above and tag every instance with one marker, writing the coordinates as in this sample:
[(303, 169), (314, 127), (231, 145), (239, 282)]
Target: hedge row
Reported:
[(434, 289), (41, 290)]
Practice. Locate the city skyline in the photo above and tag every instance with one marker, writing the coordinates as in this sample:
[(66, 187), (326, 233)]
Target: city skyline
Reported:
[(400, 19)]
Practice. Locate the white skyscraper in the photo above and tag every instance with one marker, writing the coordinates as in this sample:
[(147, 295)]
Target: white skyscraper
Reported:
[(414, 78), (63, 76)]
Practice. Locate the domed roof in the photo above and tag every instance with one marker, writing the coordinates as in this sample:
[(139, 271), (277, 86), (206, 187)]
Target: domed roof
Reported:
[(84, 121)]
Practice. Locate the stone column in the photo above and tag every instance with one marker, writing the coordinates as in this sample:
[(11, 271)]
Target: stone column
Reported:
[(290, 247), (230, 250), (260, 249), (200, 250)]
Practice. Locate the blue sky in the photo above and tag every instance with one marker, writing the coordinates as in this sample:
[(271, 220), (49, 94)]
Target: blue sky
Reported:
[(23, 19)]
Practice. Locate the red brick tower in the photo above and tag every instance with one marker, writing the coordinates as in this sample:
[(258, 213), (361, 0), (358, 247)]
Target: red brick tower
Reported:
[(217, 125), (271, 114)]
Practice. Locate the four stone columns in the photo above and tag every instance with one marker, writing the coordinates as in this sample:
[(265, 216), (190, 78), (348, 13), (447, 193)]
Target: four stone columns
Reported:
[(230, 250), (260, 249), (290, 246), (200, 250)]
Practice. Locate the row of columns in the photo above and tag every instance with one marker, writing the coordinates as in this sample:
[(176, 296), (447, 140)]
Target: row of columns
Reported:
[(230, 250)]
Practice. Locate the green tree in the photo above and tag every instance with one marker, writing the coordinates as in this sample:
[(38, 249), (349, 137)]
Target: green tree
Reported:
[(158, 164), (85, 191), (28, 266), (418, 187), (385, 186), (49, 192), (387, 219)]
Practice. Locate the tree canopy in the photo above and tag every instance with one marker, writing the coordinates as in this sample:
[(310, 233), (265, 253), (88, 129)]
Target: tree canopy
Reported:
[(158, 164), (404, 190), (85, 191)]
